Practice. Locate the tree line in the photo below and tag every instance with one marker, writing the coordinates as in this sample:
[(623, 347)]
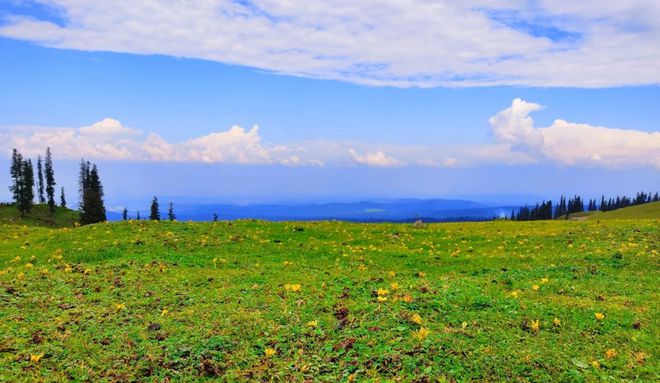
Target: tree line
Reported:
[(565, 207), (24, 182), (154, 212)]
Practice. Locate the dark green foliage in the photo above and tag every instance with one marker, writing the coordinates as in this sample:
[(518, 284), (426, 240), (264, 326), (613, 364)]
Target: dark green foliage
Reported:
[(92, 208), (27, 194), (40, 181), (22, 187), (155, 210), (16, 172), (62, 199), (576, 205), (623, 201), (124, 215), (49, 173), (170, 212)]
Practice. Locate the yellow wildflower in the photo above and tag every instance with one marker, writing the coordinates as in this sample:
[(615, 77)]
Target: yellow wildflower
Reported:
[(164, 312), (535, 287), (416, 319), (36, 358), (596, 364), (268, 352), (422, 333), (28, 265), (535, 326), (381, 299), (544, 280), (514, 294), (556, 322), (407, 298), (313, 324), (610, 354), (394, 286), (421, 274), (119, 306), (295, 287), (382, 292), (599, 316), (392, 274)]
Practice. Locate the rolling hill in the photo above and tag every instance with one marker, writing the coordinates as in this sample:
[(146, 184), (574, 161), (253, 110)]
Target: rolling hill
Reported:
[(39, 216), (644, 211)]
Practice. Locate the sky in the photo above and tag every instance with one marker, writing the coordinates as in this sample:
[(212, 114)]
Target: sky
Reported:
[(265, 100)]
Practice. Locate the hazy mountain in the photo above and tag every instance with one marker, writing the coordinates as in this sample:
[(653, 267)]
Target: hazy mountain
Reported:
[(375, 210)]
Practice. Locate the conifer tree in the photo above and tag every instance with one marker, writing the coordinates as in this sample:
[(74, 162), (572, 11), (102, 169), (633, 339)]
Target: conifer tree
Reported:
[(27, 187), (155, 212), (62, 199), (138, 215), (16, 172), (40, 180), (124, 214), (170, 212), (49, 174), (92, 207)]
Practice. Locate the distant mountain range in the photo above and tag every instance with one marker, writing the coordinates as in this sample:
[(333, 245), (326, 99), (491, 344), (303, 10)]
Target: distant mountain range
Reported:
[(400, 210)]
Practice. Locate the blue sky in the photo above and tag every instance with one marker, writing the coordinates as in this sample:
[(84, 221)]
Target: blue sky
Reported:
[(356, 123)]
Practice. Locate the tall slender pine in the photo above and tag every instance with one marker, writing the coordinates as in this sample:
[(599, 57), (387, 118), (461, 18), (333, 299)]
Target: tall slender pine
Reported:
[(40, 181), (155, 210), (49, 174)]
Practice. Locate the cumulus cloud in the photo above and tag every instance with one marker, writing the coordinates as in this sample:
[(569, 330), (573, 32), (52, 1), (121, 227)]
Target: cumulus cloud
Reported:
[(378, 158), (516, 142), (574, 143), (110, 140), (378, 42)]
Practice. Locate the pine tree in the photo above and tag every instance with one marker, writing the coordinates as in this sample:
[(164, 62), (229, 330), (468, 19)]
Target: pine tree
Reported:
[(40, 181), (215, 217), (155, 212), (62, 199), (170, 212), (16, 172), (27, 187), (92, 207), (138, 215), (49, 173), (124, 214)]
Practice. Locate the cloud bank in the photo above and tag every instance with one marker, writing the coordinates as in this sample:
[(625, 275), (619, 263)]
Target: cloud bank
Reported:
[(590, 43), (516, 142), (573, 143)]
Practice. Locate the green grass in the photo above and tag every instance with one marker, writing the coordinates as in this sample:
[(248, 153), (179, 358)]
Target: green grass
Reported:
[(150, 302), (39, 215), (645, 211)]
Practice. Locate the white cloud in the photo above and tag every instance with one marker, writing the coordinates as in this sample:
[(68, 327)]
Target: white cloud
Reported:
[(378, 158), (572, 143), (110, 140), (378, 42), (108, 127), (517, 142)]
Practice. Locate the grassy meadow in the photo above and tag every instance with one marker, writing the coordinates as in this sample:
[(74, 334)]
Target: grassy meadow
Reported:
[(546, 301)]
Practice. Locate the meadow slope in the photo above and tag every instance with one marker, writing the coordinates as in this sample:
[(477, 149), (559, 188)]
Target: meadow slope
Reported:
[(327, 301)]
